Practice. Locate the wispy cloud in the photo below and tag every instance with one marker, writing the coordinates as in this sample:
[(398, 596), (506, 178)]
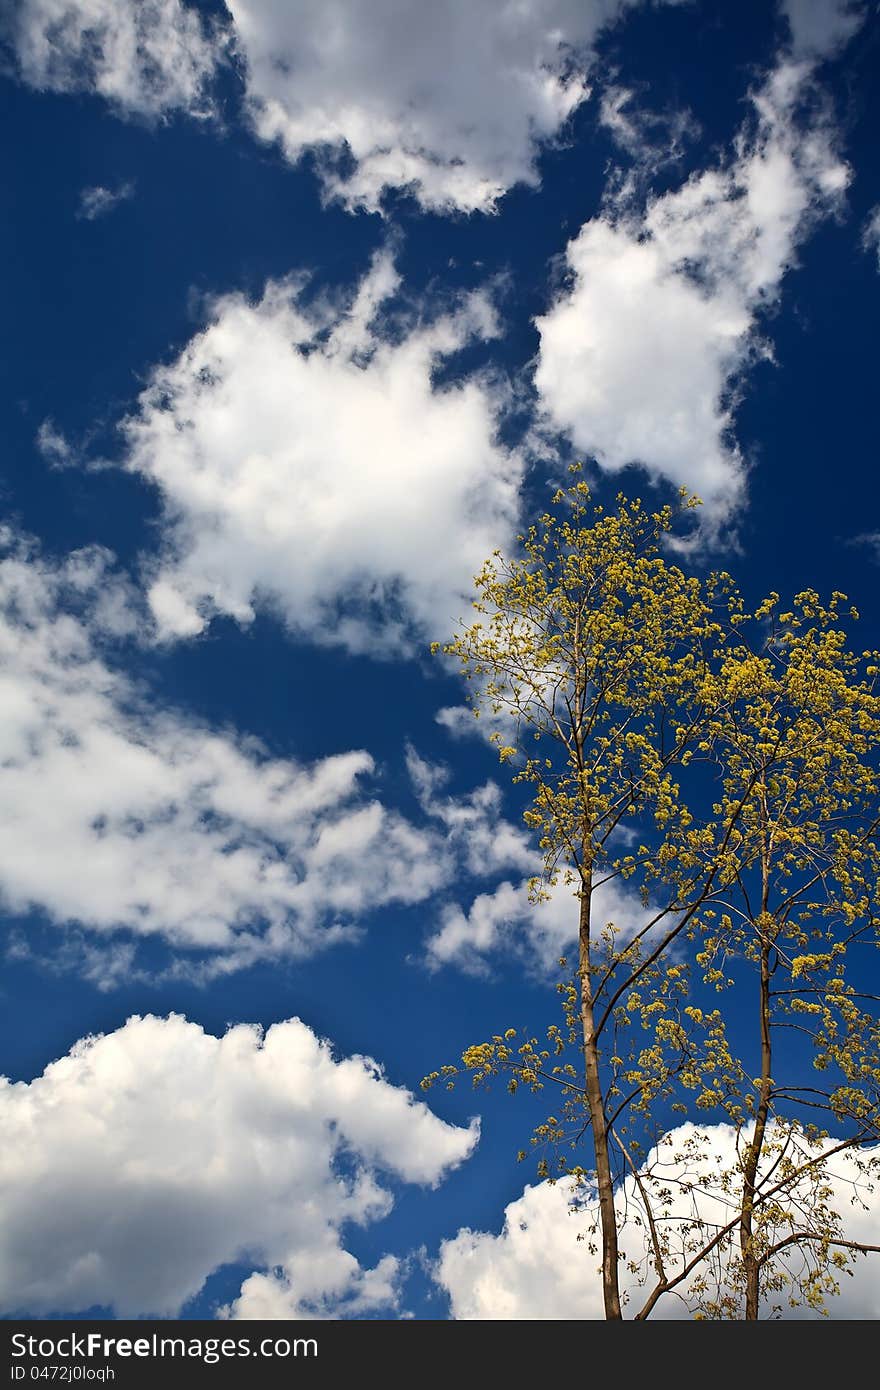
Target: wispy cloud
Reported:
[(871, 234), (55, 446), (116, 813), (98, 201), (146, 57), (869, 539)]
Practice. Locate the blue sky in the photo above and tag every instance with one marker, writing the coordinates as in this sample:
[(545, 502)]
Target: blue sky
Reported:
[(307, 308)]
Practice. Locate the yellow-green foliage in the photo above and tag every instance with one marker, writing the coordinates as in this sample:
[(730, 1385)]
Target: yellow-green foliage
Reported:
[(591, 648)]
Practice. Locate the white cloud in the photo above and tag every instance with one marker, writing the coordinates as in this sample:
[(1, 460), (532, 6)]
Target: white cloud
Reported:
[(450, 101), (450, 104), (871, 234), (650, 138), (459, 721), (540, 1265), (644, 348), (54, 446), (117, 813), (485, 843), (504, 917), (871, 539), (147, 1158), (541, 932), (147, 57), (820, 28), (309, 463), (97, 201)]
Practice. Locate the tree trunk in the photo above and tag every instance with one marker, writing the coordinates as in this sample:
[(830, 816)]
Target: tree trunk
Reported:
[(595, 1101), (751, 1259)]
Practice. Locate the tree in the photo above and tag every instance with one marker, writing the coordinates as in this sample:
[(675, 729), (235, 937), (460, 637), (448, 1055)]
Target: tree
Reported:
[(794, 744), (622, 689)]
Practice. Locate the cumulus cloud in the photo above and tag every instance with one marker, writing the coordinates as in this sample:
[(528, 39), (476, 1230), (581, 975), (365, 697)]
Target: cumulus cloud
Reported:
[(148, 1158), (541, 1266), (644, 348), (309, 462), (452, 106), (117, 813), (146, 57), (450, 102), (97, 201)]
